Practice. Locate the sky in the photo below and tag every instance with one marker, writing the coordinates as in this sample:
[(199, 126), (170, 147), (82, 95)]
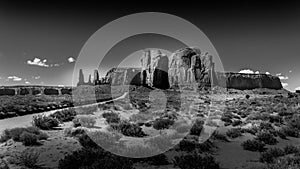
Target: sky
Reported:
[(40, 41)]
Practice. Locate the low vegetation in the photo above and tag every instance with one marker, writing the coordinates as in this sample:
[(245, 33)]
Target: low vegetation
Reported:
[(28, 136), (45, 122)]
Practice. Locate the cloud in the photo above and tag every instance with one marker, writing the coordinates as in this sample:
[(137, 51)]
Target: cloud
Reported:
[(290, 71), (27, 82), (38, 62), (297, 88), (14, 78), (282, 77), (268, 73), (71, 60), (284, 85), (36, 77), (247, 71)]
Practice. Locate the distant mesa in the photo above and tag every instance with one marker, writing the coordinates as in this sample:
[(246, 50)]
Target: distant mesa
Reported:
[(187, 66)]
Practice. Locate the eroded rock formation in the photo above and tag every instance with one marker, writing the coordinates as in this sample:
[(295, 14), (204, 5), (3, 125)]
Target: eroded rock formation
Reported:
[(189, 66), (249, 81), (124, 76), (155, 67)]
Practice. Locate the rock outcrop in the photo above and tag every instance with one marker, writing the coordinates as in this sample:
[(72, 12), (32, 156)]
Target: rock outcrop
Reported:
[(189, 66), (249, 81), (155, 67), (124, 76), (186, 67)]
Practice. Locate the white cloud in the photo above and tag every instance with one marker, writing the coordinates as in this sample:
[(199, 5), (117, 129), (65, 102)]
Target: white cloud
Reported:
[(267, 73), (257, 72), (282, 77), (14, 78), (36, 77), (71, 60), (247, 71), (284, 85), (297, 88), (27, 82), (38, 62), (290, 71)]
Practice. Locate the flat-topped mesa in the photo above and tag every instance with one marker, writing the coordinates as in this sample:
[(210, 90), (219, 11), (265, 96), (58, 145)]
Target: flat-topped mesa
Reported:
[(243, 81), (189, 66), (155, 67)]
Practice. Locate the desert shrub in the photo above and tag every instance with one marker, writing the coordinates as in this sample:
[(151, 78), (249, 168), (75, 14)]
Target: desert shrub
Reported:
[(285, 163), (64, 115), (86, 120), (252, 130), (236, 123), (76, 122), (270, 155), (28, 159), (253, 145), (291, 132), (195, 161), (28, 139), (197, 128), (160, 124), (234, 133), (3, 164), (128, 129), (94, 158), (44, 122), (290, 149), (218, 136), (266, 126), (267, 138), (294, 122), (281, 134), (111, 117), (15, 133)]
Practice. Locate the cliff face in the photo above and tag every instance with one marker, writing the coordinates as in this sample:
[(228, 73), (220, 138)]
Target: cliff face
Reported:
[(249, 81), (190, 66), (124, 76), (187, 66), (155, 67)]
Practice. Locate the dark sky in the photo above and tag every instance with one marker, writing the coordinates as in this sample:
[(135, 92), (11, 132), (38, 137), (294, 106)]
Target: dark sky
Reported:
[(260, 36)]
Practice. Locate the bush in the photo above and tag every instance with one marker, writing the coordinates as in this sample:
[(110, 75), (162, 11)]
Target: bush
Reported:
[(28, 139), (64, 115), (94, 158), (28, 159), (234, 133), (266, 126), (253, 145), (236, 123), (285, 163), (111, 117), (160, 124), (290, 149), (45, 122), (3, 164), (267, 138), (15, 134), (86, 120), (270, 155), (195, 161), (76, 122), (217, 136), (128, 129), (291, 132), (197, 128)]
